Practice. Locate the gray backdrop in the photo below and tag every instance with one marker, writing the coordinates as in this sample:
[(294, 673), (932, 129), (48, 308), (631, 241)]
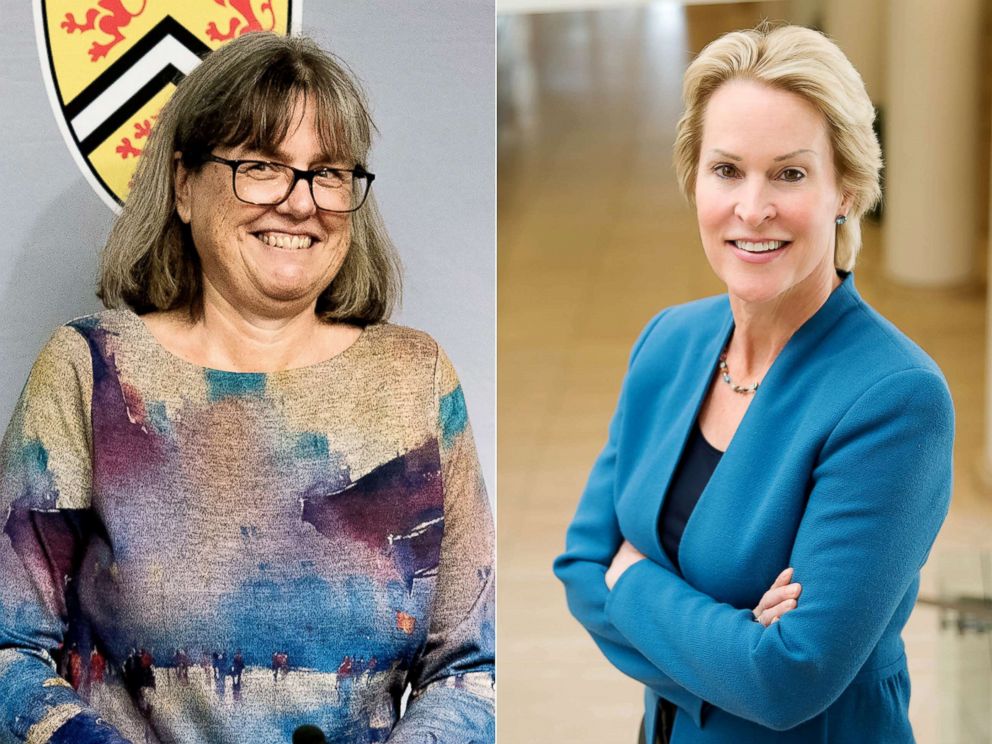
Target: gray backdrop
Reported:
[(428, 68)]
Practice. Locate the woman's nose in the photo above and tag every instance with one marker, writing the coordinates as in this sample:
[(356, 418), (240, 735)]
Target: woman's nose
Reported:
[(300, 200), (755, 205)]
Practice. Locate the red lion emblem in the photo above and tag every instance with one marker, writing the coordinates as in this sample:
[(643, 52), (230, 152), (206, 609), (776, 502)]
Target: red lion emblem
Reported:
[(111, 21), (248, 19), (111, 17)]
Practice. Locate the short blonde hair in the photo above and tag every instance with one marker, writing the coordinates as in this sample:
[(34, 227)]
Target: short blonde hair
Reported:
[(805, 62), (245, 94)]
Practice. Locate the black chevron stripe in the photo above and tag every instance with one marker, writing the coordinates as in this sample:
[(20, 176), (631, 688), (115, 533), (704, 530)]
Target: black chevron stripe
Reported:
[(168, 26), (168, 74)]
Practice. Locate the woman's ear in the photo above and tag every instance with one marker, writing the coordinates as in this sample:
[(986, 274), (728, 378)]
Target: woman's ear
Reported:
[(182, 181), (845, 204)]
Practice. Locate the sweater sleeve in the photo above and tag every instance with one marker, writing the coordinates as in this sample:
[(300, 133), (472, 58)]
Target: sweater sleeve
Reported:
[(45, 476), (453, 677), (879, 493), (592, 540)]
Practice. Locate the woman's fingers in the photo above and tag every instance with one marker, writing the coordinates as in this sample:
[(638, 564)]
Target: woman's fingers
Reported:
[(773, 614), (783, 578), (627, 549), (775, 597), (626, 556), (781, 591)]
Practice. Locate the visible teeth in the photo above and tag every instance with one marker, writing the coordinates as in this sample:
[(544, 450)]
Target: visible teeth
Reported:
[(768, 245), (281, 240)]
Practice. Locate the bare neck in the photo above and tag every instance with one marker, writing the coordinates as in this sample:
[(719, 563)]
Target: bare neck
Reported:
[(244, 341), (761, 330), (239, 340)]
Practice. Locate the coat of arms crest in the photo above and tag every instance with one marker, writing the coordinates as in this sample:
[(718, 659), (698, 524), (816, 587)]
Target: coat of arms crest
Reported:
[(110, 66)]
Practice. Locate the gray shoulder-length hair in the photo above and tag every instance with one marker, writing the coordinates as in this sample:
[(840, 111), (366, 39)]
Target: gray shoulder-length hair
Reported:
[(244, 94)]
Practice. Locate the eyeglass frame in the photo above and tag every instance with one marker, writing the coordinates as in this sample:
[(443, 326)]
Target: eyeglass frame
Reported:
[(305, 175)]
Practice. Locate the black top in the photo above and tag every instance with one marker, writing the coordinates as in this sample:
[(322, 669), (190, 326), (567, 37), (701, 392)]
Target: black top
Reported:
[(699, 460)]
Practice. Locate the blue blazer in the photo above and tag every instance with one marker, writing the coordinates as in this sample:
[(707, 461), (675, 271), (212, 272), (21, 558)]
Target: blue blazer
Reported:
[(840, 468)]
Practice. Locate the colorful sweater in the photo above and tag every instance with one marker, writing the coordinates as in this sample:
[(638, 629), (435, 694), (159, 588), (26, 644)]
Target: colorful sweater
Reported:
[(191, 555)]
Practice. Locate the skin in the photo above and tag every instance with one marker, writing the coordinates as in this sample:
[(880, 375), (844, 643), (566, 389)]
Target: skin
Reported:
[(259, 301), (766, 172)]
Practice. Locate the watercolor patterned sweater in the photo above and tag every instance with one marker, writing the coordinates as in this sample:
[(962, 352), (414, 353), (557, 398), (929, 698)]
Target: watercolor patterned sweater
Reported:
[(191, 555)]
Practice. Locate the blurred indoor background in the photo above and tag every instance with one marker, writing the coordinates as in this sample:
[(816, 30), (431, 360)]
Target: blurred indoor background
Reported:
[(594, 239)]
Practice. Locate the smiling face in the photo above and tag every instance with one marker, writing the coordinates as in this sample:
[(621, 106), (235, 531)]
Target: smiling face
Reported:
[(766, 194), (267, 261)]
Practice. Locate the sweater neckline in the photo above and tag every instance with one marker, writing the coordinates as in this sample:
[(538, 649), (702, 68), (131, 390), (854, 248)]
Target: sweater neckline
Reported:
[(340, 357)]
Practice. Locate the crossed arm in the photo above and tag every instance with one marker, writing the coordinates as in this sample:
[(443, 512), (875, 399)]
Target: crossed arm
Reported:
[(781, 596), (588, 582), (858, 550)]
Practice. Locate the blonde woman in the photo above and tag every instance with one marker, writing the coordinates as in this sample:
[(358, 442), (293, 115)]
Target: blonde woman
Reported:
[(750, 539)]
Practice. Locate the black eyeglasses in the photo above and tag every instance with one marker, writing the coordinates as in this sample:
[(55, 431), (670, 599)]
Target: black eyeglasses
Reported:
[(265, 184)]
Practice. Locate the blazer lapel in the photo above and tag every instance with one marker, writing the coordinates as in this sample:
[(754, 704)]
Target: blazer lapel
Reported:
[(760, 443), (665, 432)]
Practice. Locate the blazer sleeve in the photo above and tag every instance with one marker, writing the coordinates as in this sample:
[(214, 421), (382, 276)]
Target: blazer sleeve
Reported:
[(453, 677), (880, 491), (592, 540), (45, 476)]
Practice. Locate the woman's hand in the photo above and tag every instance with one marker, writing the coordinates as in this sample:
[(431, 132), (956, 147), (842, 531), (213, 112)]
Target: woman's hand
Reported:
[(626, 557), (778, 600)]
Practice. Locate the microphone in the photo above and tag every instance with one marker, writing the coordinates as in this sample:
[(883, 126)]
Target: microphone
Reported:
[(308, 734)]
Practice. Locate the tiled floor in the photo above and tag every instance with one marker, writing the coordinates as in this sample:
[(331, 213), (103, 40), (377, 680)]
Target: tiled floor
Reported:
[(593, 239)]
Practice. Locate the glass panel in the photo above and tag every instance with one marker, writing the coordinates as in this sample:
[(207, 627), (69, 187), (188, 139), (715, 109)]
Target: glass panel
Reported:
[(963, 604)]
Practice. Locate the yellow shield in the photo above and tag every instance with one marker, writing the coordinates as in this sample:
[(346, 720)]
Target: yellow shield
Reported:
[(110, 66)]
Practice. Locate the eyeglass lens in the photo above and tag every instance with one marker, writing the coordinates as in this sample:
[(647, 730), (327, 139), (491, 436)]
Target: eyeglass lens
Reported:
[(270, 183)]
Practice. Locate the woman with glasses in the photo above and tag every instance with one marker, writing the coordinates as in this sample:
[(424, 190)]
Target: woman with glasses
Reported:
[(240, 458), (750, 540)]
